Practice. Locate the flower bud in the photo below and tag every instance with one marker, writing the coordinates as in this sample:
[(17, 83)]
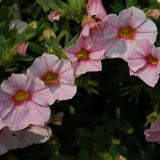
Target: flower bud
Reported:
[(22, 48)]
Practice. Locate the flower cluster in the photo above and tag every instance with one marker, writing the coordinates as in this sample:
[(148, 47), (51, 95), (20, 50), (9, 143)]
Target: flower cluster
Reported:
[(26, 98)]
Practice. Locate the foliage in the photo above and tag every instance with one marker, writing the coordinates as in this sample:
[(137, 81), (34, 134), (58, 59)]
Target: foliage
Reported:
[(105, 120)]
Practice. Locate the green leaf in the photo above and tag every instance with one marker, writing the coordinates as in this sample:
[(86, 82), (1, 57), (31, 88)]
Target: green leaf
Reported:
[(72, 41), (104, 156), (26, 58), (130, 3), (117, 6)]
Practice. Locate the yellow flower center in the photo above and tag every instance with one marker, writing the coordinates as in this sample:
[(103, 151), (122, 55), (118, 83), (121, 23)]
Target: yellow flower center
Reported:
[(152, 60), (82, 55), (50, 78), (126, 32), (22, 96)]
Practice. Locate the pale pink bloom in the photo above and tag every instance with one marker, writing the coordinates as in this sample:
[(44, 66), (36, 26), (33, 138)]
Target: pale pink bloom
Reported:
[(158, 1), (121, 32), (154, 13), (95, 8), (33, 134), (54, 15), (7, 140), (144, 62), (22, 48), (23, 101), (86, 55), (153, 134), (56, 74)]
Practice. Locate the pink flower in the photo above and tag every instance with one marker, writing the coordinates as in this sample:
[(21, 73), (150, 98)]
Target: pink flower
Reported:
[(33, 134), (86, 55), (121, 32), (95, 8), (56, 74), (22, 48), (54, 15), (23, 101), (7, 140), (153, 134), (144, 62)]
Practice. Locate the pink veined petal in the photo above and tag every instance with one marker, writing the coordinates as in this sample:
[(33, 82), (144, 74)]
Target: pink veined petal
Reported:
[(125, 17), (147, 30), (67, 76), (20, 117), (113, 20), (136, 64), (115, 48), (95, 8), (4, 96), (97, 54), (33, 135), (42, 65), (15, 83), (87, 66), (156, 52), (63, 67), (138, 17), (110, 30), (65, 91), (149, 75), (42, 97), (70, 52), (144, 47), (87, 43)]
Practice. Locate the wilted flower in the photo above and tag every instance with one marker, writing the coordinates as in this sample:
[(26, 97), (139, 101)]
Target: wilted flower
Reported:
[(33, 134), (54, 15), (95, 8), (153, 134), (22, 48), (56, 74), (121, 32), (18, 24), (7, 140), (155, 13), (144, 62), (24, 101), (48, 32), (86, 55)]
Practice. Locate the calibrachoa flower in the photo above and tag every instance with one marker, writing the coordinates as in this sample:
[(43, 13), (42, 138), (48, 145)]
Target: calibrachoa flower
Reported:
[(23, 101), (144, 62), (33, 134), (56, 74), (7, 140), (153, 134), (121, 32), (86, 55), (22, 48)]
